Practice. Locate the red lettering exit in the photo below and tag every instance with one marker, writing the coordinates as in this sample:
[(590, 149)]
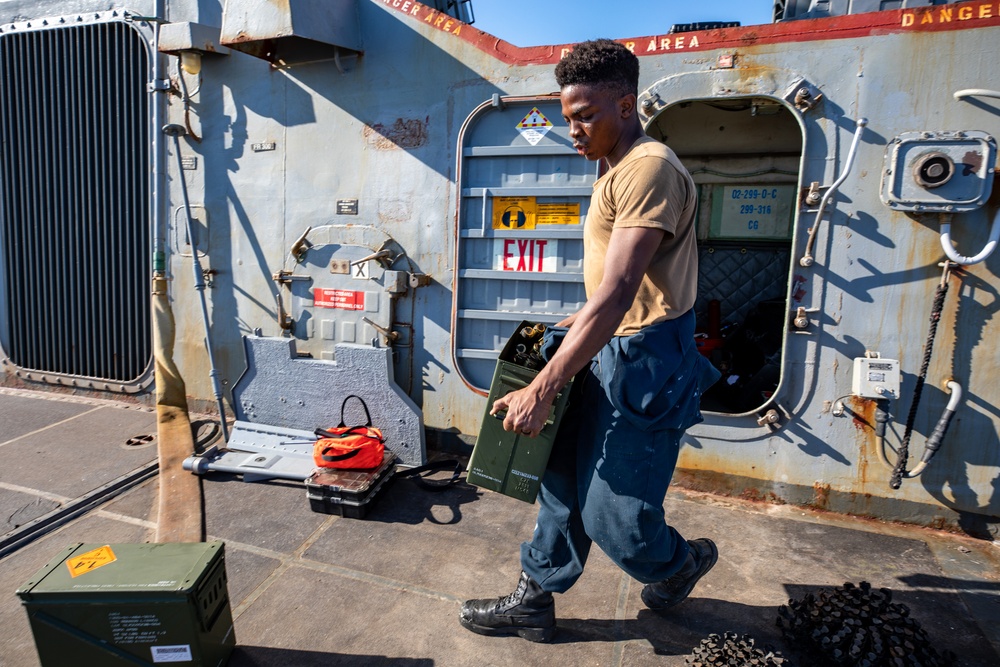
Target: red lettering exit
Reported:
[(524, 255)]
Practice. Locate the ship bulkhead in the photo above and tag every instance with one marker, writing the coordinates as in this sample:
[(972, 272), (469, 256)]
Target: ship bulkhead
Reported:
[(380, 177)]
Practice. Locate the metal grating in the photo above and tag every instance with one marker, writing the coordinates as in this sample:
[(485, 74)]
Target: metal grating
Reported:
[(74, 202)]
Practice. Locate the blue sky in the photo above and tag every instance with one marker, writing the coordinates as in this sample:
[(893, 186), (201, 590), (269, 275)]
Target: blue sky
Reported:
[(568, 21)]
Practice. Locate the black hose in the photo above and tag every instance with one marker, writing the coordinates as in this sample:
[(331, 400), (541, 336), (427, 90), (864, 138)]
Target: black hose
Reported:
[(881, 416), (904, 450), (937, 436)]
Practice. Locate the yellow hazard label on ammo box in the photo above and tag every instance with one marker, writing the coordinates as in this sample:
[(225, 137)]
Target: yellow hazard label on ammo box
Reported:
[(90, 561)]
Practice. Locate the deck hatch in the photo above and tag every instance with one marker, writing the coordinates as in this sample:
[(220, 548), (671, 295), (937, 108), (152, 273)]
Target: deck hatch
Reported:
[(74, 205)]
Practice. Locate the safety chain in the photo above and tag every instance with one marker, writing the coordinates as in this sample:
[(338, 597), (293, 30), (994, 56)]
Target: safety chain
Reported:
[(857, 626), (904, 449), (732, 649)]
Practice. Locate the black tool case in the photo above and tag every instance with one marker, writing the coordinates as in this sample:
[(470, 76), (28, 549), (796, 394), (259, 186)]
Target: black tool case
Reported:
[(348, 493)]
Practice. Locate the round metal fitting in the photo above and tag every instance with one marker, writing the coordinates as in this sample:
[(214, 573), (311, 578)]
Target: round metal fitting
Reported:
[(769, 417), (933, 169)]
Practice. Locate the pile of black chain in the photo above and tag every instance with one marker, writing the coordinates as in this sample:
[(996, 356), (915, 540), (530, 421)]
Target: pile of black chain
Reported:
[(732, 650), (860, 627)]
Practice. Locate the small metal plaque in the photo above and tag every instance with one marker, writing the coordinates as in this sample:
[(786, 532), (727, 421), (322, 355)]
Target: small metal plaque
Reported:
[(347, 207), (340, 266), (265, 146), (190, 162)]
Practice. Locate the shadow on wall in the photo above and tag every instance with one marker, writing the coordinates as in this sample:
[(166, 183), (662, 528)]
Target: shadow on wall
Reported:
[(395, 103), (961, 470)]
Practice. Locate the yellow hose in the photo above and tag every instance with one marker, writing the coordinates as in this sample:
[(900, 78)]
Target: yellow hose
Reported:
[(179, 515)]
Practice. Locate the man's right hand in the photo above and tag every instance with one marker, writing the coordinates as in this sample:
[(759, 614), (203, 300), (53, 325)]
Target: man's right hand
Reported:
[(526, 411)]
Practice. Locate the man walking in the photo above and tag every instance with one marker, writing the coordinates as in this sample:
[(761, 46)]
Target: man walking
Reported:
[(631, 347)]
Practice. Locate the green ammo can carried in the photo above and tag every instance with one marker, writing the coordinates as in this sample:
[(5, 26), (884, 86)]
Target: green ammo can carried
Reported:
[(511, 463), (132, 604)]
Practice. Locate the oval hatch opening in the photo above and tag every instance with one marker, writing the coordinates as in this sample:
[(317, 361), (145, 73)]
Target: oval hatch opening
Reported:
[(745, 156)]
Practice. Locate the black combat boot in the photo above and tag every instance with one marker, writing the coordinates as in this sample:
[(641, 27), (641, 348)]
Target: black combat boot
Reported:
[(663, 595), (528, 612)]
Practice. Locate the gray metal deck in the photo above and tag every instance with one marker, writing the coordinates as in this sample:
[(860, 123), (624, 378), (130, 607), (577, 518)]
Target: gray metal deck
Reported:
[(310, 589)]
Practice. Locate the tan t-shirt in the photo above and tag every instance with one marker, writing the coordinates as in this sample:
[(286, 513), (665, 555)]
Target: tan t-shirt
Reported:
[(648, 188)]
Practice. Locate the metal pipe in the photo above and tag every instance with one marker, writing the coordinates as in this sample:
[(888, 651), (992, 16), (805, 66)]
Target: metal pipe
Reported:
[(976, 92), (176, 131), (987, 250), (159, 157), (881, 419), (807, 258)]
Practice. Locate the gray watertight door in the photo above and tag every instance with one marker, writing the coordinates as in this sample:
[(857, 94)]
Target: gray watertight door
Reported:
[(524, 196)]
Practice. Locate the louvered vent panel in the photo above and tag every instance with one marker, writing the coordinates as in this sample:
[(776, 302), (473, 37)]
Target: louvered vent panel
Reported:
[(74, 166)]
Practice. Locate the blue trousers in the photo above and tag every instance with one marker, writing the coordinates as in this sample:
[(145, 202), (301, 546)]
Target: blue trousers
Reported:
[(605, 483)]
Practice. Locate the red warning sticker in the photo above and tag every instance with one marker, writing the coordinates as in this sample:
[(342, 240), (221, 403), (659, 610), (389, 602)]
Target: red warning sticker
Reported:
[(338, 298)]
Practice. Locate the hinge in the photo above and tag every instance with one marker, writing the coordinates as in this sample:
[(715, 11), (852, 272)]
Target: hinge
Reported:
[(158, 85), (419, 280)]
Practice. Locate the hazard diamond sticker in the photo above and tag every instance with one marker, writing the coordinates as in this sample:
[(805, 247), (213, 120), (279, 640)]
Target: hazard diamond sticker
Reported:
[(90, 561), (534, 126)]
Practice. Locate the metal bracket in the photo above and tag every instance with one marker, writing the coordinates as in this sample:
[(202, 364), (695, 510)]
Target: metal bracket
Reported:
[(158, 85), (812, 196), (801, 321), (390, 336), (651, 104), (283, 277), (395, 282), (769, 418), (285, 320), (419, 280), (804, 95), (301, 245)]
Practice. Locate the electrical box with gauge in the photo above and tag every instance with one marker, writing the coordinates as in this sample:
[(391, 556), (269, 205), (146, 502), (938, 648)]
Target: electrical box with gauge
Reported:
[(944, 172), (875, 378)]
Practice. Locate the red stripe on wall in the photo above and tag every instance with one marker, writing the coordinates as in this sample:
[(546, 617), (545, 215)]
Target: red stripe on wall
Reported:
[(938, 18)]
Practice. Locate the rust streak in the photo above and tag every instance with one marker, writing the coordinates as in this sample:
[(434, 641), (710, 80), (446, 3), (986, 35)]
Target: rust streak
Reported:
[(863, 413), (821, 495)]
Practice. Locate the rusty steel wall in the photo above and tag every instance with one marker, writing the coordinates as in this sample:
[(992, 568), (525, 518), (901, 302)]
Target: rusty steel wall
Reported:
[(283, 150)]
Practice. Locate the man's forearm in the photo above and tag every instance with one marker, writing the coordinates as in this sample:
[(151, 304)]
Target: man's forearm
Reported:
[(590, 329), (568, 322), (629, 254)]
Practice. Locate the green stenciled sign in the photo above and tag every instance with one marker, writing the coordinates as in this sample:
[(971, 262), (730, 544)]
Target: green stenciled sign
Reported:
[(752, 212)]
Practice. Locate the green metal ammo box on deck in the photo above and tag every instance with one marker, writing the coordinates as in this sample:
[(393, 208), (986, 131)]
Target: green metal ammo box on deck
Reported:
[(132, 604), (507, 462)]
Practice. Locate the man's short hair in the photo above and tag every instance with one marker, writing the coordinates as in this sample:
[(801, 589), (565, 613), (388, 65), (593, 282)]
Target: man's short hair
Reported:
[(600, 62)]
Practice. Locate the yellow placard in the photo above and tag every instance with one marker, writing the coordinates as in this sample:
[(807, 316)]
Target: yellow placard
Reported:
[(514, 212), (90, 561), (559, 214)]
